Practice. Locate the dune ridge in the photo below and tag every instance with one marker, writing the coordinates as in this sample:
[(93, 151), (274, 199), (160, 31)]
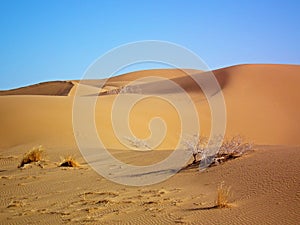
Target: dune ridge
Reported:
[(53, 88)]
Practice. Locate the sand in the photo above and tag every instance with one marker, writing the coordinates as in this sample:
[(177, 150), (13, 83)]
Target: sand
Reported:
[(262, 104)]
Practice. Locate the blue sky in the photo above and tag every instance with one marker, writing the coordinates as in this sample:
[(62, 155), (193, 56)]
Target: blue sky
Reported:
[(59, 39)]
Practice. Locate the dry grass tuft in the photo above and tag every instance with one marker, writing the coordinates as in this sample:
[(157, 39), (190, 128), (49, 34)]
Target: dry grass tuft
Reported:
[(223, 194), (69, 161), (34, 155)]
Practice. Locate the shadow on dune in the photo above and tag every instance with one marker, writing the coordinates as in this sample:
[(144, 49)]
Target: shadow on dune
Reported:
[(158, 172), (157, 86), (203, 208)]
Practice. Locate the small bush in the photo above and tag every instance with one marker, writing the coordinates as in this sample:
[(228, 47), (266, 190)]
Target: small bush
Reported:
[(34, 155), (131, 89), (138, 143), (196, 145), (229, 149), (223, 194), (69, 161), (233, 148)]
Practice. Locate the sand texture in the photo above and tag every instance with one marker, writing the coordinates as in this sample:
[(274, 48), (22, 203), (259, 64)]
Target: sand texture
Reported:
[(262, 105)]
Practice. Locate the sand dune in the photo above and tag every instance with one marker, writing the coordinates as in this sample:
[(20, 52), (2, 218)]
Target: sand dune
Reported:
[(262, 104), (57, 88)]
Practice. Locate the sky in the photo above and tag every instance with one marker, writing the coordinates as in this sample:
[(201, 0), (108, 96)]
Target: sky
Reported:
[(58, 39)]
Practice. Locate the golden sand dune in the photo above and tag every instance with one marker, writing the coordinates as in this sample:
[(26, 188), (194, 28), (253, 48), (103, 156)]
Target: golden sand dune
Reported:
[(57, 88), (262, 104), (261, 101)]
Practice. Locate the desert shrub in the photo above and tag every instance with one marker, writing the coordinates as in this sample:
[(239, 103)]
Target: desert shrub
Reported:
[(229, 149), (113, 91), (34, 155), (223, 194), (69, 161), (138, 143), (196, 145), (130, 89), (232, 148)]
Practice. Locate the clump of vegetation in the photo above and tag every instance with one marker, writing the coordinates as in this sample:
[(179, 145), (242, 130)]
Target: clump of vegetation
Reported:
[(69, 161), (138, 143), (34, 155), (233, 148), (230, 149), (131, 89), (196, 145), (223, 194)]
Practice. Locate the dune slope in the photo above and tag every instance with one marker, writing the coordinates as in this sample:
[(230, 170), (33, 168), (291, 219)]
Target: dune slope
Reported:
[(56, 88), (262, 104)]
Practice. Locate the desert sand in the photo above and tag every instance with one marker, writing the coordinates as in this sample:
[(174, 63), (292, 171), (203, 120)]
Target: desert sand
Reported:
[(262, 105)]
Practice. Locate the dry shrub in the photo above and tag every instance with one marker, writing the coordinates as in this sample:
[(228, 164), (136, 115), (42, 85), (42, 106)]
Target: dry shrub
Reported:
[(138, 143), (34, 155), (69, 161), (233, 148), (230, 149), (223, 194), (196, 145)]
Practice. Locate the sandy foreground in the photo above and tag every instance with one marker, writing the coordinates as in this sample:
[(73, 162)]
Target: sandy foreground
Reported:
[(262, 105)]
